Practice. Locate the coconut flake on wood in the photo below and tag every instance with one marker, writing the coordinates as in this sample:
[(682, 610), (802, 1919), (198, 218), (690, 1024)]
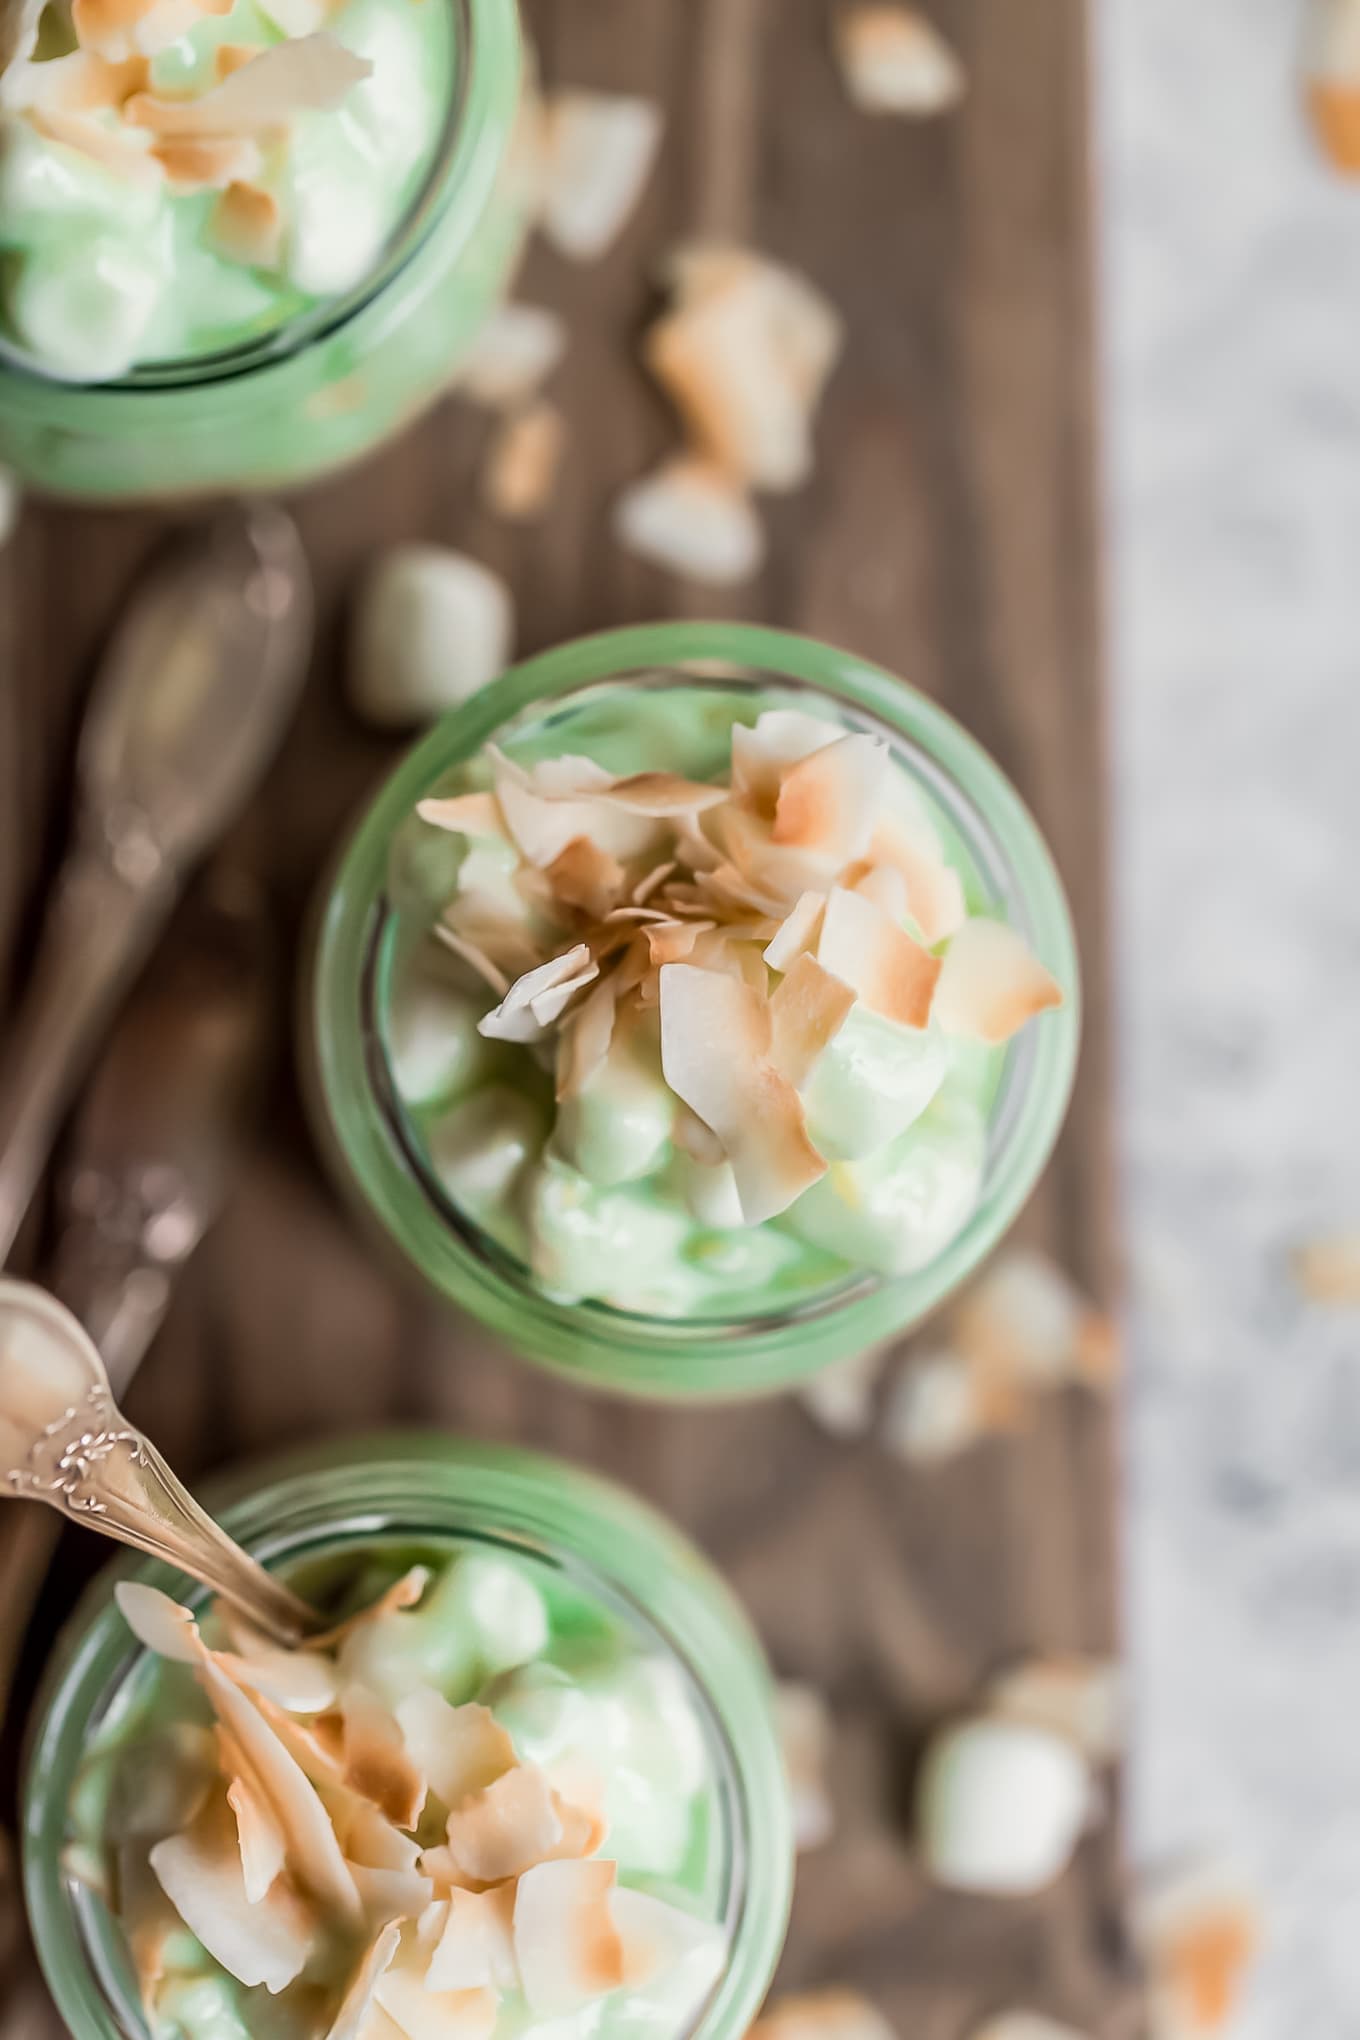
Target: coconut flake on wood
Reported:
[(597, 150), (691, 519), (895, 61)]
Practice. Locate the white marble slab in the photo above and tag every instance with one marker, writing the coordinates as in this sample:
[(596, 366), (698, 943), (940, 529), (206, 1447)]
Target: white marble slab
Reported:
[(1232, 368)]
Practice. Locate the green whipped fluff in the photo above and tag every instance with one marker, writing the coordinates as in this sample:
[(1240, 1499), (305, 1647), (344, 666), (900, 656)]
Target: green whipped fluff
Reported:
[(181, 177), (477, 1810), (771, 1076)]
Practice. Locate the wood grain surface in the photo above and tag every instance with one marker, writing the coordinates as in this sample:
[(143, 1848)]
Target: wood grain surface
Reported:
[(948, 533)]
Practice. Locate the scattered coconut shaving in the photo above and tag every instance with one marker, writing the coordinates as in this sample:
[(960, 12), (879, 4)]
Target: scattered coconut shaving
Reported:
[(1077, 1696), (895, 61), (744, 354), (512, 356), (523, 463), (1021, 1329), (1200, 1932), (1328, 1270), (596, 152), (458, 1875), (805, 1735)]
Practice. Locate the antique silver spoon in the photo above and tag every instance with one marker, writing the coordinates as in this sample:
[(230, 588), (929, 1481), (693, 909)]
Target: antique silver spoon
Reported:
[(200, 678), (63, 1440)]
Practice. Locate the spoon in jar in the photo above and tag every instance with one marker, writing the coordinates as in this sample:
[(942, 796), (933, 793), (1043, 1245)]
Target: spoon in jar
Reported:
[(63, 1440)]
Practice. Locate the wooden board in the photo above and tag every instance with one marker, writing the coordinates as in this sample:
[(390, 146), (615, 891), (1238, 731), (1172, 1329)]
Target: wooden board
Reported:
[(949, 533)]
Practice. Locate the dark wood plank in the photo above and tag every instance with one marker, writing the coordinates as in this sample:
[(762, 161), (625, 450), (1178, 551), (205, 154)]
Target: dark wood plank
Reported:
[(949, 533)]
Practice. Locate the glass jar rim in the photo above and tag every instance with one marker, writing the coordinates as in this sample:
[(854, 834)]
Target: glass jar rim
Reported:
[(288, 1509), (459, 165), (606, 1346)]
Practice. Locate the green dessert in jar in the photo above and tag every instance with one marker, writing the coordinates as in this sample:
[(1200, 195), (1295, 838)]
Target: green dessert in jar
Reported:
[(242, 241), (692, 1006), (476, 1809)]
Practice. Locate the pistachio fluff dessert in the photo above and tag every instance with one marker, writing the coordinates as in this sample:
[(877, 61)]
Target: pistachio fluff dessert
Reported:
[(694, 1005), (475, 1808), (180, 177)]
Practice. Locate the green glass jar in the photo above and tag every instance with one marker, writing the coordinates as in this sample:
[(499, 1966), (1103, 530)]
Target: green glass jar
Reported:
[(1007, 871), (407, 1492), (329, 385)]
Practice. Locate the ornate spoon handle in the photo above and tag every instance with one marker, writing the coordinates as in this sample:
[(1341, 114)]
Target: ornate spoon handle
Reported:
[(64, 1441)]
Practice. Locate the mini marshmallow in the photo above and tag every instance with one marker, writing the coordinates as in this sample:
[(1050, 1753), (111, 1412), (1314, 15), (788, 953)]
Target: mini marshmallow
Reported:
[(432, 628), (1000, 1806)]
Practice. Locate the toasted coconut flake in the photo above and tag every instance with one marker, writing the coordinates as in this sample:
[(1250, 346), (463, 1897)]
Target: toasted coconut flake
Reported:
[(120, 153), (303, 1681), (159, 1623), (312, 73), (1328, 1270), (567, 1946), (894, 61), (673, 941), (247, 226), (524, 462), (764, 752), (460, 1750), (798, 931), (828, 803), (507, 1826), (586, 1044), (935, 1410), (261, 1839), (476, 1949), (586, 877), (691, 519), (696, 1140), (597, 153), (885, 886), (744, 361), (890, 973), (474, 955), (467, 814), (118, 29), (351, 2020), (82, 82), (645, 887), (207, 162), (420, 2013), (534, 1001), (201, 1873), (906, 842), (807, 1011), (1201, 1934), (715, 1041), (662, 795), (514, 352), (378, 1765), (805, 1738), (1024, 1322), (1076, 1696), (990, 984), (19, 26), (836, 2014), (658, 1937)]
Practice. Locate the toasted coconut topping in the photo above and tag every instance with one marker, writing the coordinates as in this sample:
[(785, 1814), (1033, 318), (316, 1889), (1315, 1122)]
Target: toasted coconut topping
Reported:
[(119, 29), (82, 82), (805, 1736), (125, 155), (895, 61), (566, 1943), (514, 352), (890, 972), (744, 359), (754, 915), (516, 1899), (313, 73), (524, 460), (1201, 1933), (351, 2021), (247, 226), (691, 518), (990, 984), (1077, 1696), (716, 1042)]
